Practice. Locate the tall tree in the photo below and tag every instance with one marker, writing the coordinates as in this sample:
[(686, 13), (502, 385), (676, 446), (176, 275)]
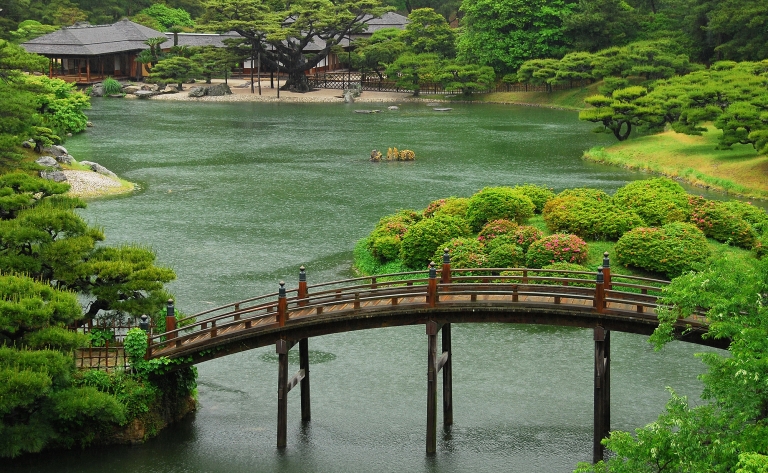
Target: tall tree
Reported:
[(428, 32), (599, 24), (284, 34), (505, 33), (374, 54)]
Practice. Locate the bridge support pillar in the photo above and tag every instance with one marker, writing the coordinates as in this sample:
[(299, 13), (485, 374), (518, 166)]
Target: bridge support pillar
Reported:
[(281, 348), (602, 386), (447, 377), (304, 366), (434, 365)]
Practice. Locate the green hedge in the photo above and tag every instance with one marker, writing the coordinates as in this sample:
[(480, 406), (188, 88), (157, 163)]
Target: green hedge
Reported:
[(587, 217), (496, 228), (672, 249), (423, 238), (465, 253), (657, 201), (493, 203), (385, 239), (539, 195), (718, 222)]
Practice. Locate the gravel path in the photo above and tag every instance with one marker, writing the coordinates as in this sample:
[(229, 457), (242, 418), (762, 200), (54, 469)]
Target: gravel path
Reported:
[(93, 184)]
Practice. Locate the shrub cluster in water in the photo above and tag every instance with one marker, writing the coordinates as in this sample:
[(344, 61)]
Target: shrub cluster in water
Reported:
[(657, 226)]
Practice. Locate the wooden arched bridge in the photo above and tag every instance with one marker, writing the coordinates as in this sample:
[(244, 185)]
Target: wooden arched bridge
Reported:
[(604, 302)]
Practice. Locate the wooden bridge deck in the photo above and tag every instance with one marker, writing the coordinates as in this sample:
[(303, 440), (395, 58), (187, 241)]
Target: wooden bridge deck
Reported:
[(389, 300)]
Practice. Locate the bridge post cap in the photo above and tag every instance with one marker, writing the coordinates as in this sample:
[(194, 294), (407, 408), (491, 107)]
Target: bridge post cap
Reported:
[(446, 256), (600, 278), (170, 301), (281, 292), (144, 322), (302, 273), (432, 270), (606, 260)]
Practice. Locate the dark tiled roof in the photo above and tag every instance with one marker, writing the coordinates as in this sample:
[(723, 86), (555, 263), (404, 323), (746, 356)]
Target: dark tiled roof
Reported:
[(387, 20), (200, 39), (89, 40)]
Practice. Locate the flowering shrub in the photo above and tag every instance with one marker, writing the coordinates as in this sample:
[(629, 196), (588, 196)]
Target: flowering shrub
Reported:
[(586, 192), (465, 253), (589, 217), (494, 203), (423, 238), (718, 222), (386, 237), (671, 250), (456, 206), (560, 247), (525, 235), (539, 195), (433, 207), (496, 228), (658, 201)]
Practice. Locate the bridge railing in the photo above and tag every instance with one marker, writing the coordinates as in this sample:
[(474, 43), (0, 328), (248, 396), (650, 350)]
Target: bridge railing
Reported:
[(419, 287)]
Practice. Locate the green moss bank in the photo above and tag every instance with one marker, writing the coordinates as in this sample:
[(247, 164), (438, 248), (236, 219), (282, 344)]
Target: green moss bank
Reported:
[(693, 159)]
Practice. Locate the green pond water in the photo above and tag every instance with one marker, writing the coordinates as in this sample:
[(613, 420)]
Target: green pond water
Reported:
[(235, 197)]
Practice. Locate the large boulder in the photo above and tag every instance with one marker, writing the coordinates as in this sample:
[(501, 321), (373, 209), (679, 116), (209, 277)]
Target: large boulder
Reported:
[(131, 89), (197, 92), (97, 90), (219, 89), (96, 167), (66, 159), (143, 94), (47, 161), (171, 89), (56, 176), (56, 150)]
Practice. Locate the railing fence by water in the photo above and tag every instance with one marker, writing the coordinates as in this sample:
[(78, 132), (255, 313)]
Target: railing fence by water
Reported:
[(521, 295)]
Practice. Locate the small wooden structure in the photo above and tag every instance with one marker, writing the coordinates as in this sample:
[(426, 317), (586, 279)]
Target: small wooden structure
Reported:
[(86, 54)]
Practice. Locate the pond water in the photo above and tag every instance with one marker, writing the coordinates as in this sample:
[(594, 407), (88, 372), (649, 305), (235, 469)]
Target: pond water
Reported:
[(236, 196)]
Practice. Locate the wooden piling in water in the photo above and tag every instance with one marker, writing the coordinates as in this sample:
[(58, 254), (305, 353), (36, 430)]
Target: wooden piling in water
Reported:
[(447, 377), (602, 397), (304, 366), (431, 387), (281, 348)]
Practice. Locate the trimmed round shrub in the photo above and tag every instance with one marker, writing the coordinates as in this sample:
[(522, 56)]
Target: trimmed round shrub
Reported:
[(454, 206), (386, 237), (719, 223), (557, 248), (496, 228), (493, 203), (505, 254), (423, 238), (756, 216), (657, 201), (672, 249), (465, 253), (539, 195), (556, 267), (589, 218), (525, 235)]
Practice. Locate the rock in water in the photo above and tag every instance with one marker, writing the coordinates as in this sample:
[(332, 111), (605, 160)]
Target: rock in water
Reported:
[(96, 167)]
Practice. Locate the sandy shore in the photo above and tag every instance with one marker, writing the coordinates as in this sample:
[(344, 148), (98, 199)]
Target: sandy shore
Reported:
[(92, 184), (241, 92)]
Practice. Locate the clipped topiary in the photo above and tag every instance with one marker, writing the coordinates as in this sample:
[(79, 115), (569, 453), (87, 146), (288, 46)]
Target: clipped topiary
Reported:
[(496, 228), (539, 195), (557, 248), (423, 238), (658, 201), (756, 216), (454, 206), (586, 192), (504, 254), (672, 249), (386, 237), (719, 223), (588, 217), (493, 203), (465, 253)]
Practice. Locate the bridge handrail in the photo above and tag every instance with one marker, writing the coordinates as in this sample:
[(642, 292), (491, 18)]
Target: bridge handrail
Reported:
[(474, 281)]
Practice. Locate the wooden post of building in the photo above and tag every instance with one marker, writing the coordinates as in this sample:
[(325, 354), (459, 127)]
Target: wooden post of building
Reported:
[(431, 387), (170, 320), (302, 294), (282, 305), (607, 271), (599, 301), (447, 377), (304, 366), (445, 275), (281, 348), (602, 393), (88, 70), (432, 286)]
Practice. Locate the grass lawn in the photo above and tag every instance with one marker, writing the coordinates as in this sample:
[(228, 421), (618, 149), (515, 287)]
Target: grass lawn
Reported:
[(694, 159)]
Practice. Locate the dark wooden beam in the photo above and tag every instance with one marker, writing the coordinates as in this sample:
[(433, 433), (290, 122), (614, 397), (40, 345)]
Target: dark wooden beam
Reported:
[(304, 365), (447, 377), (281, 347)]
